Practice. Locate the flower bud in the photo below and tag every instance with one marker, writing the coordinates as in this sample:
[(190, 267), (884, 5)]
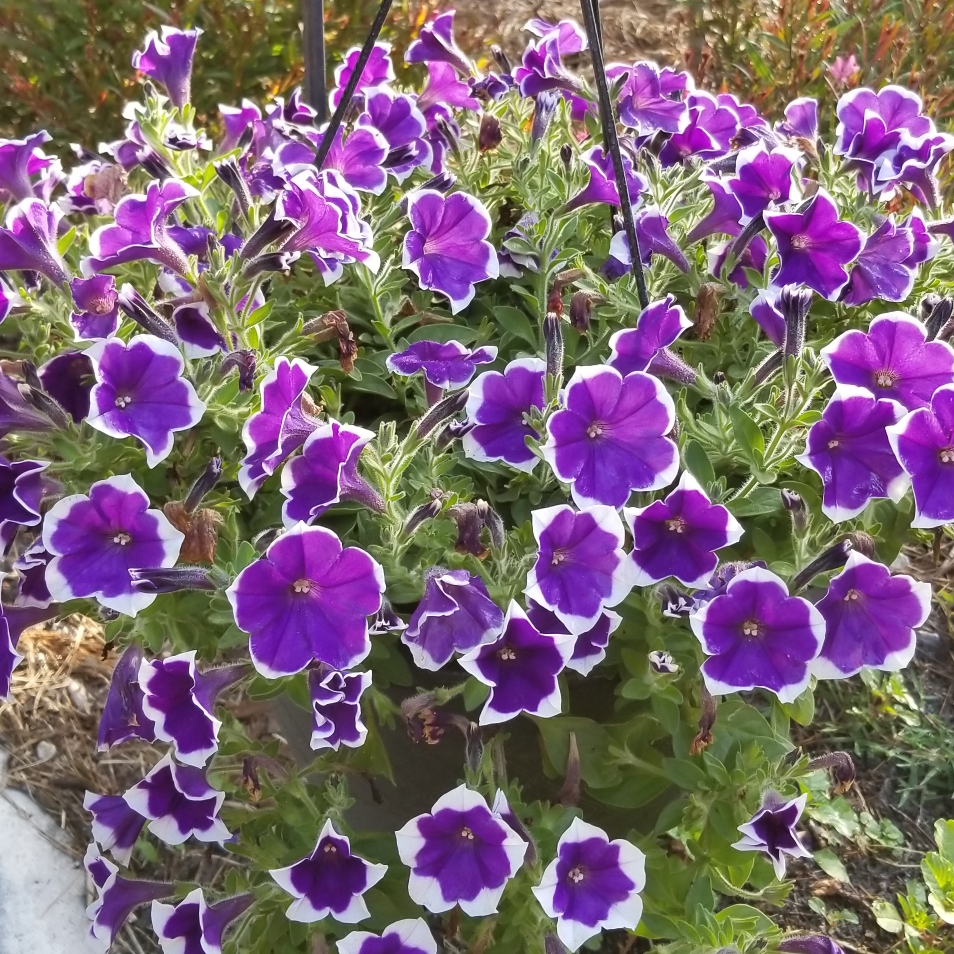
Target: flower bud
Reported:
[(45, 404), (386, 620), (581, 305), (270, 232), (674, 602), (210, 477), (926, 306), (473, 746), (662, 663), (794, 504), (543, 113), (570, 791), (441, 411), (451, 433), (442, 182), (398, 156), (707, 719), (469, 525), (834, 558), (244, 362), (842, 769), (938, 323), (566, 155), (493, 523), (553, 342), (172, 579), (449, 131), (489, 135), (421, 514), (501, 59), (137, 308), (794, 302), (271, 262), (228, 171), (769, 366), (667, 364)]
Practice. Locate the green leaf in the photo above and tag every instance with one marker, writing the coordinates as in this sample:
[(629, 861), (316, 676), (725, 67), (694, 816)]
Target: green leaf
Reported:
[(452, 331), (260, 314), (887, 917), (944, 836), (515, 322), (592, 740), (697, 462), (746, 917), (832, 865), (762, 500), (64, 244), (747, 434), (802, 710), (685, 774)]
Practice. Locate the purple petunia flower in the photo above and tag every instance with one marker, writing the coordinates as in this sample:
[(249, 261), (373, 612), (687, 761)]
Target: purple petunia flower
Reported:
[(116, 897), (882, 270), (9, 300), (436, 44), (580, 568), (678, 536), (592, 884), (168, 60), (68, 379), (141, 392), (652, 232), (28, 242), (20, 161), (330, 881), (357, 156), (280, 426), (377, 72), (31, 571), (116, 826), (814, 245), (763, 178), (443, 92), (96, 539), (924, 243), (801, 119), (849, 449), (764, 309), (870, 619), (179, 701), (570, 35), (194, 927), (892, 360), (326, 473), (601, 185), (444, 364), (609, 437), (410, 936), (923, 442), (336, 708), (521, 667), (725, 217), (589, 647), (913, 163), (123, 717), (455, 614), (754, 257), (179, 803), (22, 488), (195, 329), (447, 245), (96, 299), (307, 599), (757, 636), (658, 326), (542, 69), (403, 126), (645, 107), (459, 853), (141, 230), (708, 132), (772, 830)]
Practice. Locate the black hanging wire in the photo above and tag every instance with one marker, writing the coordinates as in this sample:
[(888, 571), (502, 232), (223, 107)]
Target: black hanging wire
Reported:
[(313, 35), (331, 133), (611, 141)]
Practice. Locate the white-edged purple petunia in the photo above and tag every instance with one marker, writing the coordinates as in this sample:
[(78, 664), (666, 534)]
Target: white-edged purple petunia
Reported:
[(498, 407), (179, 803), (589, 647), (757, 636), (871, 618), (923, 442), (167, 58), (197, 331), (141, 391), (455, 614), (677, 537), (459, 853), (644, 106), (332, 880), (445, 364), (609, 438), (882, 271), (179, 701), (306, 599), (849, 449), (763, 178), (22, 489), (893, 359), (193, 926), (96, 539), (447, 245), (592, 884), (115, 825), (28, 241), (521, 667), (280, 425), (377, 72), (336, 708), (97, 310), (772, 830), (658, 326), (580, 568), (326, 473), (410, 936), (123, 717)]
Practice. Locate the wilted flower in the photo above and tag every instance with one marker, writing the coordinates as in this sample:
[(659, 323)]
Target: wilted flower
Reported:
[(459, 853), (772, 830), (593, 884)]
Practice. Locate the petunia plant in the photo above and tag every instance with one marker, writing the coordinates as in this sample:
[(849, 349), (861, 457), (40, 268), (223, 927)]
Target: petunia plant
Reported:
[(529, 441)]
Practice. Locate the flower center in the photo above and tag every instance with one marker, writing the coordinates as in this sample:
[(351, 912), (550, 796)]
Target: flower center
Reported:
[(330, 849), (467, 834), (100, 306), (946, 455), (832, 444), (594, 430), (576, 874), (885, 379), (751, 627), (122, 400), (302, 586), (506, 653), (558, 557), (122, 538), (801, 241), (676, 525), (775, 194), (852, 595)]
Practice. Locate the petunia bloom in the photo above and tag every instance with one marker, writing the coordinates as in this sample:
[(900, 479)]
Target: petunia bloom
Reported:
[(892, 360), (645, 107), (20, 161), (455, 614), (459, 853), (814, 245), (601, 186), (923, 442), (330, 881), (609, 438), (849, 449), (305, 599), (447, 245), (193, 926), (435, 43), (141, 392), (179, 803), (580, 568), (397, 117), (96, 299), (757, 636), (870, 619), (326, 473), (336, 708), (377, 72), (589, 647), (772, 830), (658, 326), (677, 537), (410, 936), (882, 270), (725, 216), (179, 701), (592, 884), (22, 489), (763, 178), (444, 364), (116, 826), (168, 60), (96, 539), (28, 241), (521, 667), (123, 717)]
